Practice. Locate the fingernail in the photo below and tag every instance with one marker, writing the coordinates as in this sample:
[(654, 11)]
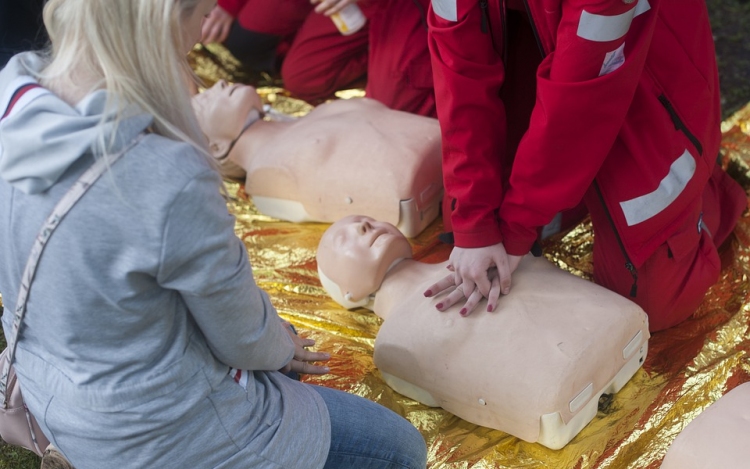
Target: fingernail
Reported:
[(490, 308), (439, 306), (506, 291), (327, 356), (326, 369), (428, 293), (463, 312)]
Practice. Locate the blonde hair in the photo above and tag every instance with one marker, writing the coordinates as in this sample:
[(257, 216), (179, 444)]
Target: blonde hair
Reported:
[(132, 48)]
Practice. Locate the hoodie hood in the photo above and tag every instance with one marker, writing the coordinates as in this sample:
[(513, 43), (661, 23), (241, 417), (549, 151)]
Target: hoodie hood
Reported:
[(41, 135)]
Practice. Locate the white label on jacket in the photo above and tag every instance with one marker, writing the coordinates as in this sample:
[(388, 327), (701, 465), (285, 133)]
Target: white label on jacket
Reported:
[(603, 28), (649, 205), (613, 60), (446, 9)]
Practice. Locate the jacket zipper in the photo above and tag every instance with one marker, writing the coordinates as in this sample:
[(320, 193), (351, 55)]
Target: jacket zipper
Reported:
[(422, 13), (628, 263), (504, 23), (679, 125), (483, 5), (534, 29)]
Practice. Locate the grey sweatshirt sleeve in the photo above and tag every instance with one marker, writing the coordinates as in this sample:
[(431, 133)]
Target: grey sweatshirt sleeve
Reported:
[(207, 264)]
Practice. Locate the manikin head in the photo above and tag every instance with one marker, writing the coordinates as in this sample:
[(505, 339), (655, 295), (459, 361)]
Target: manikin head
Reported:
[(354, 256), (223, 112)]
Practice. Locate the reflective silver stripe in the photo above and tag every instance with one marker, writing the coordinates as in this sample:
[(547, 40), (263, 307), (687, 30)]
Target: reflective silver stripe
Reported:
[(642, 7), (446, 9), (646, 206), (602, 28)]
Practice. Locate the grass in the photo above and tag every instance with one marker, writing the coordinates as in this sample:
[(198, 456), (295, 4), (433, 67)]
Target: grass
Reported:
[(12, 457)]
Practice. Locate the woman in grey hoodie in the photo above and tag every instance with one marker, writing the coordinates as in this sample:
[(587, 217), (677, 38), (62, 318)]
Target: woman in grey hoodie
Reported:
[(144, 297)]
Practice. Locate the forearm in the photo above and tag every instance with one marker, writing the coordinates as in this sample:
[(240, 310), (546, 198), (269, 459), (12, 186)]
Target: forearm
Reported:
[(245, 332), (468, 75)]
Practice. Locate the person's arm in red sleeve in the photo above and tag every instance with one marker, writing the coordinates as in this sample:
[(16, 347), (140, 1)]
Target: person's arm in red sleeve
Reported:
[(584, 90), (468, 74)]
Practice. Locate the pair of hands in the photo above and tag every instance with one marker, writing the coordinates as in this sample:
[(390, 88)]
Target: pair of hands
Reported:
[(476, 273), (217, 24), (303, 359)]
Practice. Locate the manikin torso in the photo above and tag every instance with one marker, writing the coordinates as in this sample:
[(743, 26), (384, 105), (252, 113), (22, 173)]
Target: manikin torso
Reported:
[(717, 438), (551, 348), (345, 157)]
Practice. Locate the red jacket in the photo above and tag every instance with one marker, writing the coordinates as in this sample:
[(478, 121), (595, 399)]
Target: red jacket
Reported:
[(626, 109), (232, 7)]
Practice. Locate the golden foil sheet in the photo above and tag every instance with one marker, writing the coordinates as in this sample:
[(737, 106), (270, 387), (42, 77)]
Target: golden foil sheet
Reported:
[(687, 369)]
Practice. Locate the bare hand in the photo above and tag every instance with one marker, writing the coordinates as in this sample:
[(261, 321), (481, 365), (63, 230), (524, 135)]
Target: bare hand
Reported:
[(477, 273), (329, 7), (303, 358), (216, 26), (448, 282)]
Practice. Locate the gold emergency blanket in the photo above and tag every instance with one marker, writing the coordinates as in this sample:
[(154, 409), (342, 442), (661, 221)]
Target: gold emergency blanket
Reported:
[(688, 367)]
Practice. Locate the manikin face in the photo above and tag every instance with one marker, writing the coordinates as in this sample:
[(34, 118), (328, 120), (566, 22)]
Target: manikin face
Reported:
[(222, 111), (356, 252), (192, 24)]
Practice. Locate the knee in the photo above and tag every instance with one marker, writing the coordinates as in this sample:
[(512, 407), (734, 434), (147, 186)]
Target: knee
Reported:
[(421, 458), (303, 81), (256, 51), (678, 288), (415, 448)]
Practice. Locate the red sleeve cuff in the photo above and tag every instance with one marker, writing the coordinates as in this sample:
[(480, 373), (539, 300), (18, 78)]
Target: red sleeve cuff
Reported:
[(518, 242), (479, 238), (518, 247)]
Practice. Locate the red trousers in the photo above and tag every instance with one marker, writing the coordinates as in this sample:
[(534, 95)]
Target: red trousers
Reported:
[(391, 50), (399, 66), (671, 284)]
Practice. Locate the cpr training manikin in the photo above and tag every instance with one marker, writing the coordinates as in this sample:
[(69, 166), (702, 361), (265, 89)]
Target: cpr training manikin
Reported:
[(534, 368), (345, 157)]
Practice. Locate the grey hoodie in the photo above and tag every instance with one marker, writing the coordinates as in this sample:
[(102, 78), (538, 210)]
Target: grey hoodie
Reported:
[(143, 299)]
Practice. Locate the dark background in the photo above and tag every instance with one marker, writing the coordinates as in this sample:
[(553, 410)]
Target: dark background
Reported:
[(731, 25), (20, 27)]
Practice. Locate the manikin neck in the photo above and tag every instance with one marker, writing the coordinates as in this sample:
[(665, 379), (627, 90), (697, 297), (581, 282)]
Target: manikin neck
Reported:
[(408, 277), (253, 139)]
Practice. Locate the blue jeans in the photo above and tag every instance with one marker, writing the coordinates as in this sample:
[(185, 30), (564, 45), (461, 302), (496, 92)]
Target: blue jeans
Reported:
[(366, 435)]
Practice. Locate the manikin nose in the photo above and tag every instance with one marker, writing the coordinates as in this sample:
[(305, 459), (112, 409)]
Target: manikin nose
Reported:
[(364, 227)]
